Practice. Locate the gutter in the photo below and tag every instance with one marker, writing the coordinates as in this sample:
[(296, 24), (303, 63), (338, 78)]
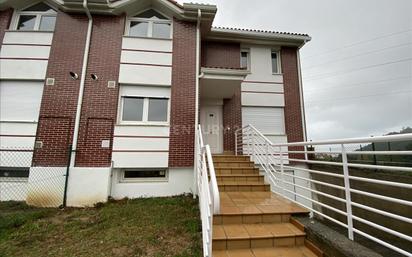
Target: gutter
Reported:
[(199, 16), (82, 82)]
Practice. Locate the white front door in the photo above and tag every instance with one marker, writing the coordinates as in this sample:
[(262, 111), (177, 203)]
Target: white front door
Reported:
[(212, 127)]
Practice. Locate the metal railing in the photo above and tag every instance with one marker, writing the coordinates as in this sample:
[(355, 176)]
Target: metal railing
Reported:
[(208, 191), (282, 161)]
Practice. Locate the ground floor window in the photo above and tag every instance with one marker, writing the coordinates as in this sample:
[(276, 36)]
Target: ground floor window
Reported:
[(135, 175)]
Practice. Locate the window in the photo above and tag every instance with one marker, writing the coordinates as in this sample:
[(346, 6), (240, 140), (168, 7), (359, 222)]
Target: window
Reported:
[(37, 17), (14, 172), (149, 24), (144, 175), (244, 59), (275, 62), (145, 110)]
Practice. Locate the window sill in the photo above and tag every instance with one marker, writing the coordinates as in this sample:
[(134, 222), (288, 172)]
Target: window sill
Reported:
[(34, 31), (277, 73), (157, 38), (144, 124), (147, 180)]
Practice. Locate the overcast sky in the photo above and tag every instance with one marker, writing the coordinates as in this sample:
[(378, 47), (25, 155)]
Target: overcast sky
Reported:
[(357, 70)]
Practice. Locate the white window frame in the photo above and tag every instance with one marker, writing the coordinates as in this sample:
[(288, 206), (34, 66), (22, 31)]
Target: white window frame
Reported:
[(248, 64), (39, 15), (122, 179), (278, 62), (150, 25), (145, 120)]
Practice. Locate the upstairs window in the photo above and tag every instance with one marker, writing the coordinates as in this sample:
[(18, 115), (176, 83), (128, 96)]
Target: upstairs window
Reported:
[(149, 24), (244, 59), (275, 62), (36, 17), (145, 110)]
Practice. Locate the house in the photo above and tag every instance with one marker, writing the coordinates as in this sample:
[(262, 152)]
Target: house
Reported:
[(126, 82)]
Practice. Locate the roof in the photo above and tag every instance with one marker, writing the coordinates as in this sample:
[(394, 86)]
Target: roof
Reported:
[(261, 31)]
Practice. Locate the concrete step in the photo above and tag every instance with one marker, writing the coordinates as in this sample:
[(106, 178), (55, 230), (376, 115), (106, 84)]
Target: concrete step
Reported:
[(236, 170), (301, 251), (233, 164), (243, 187), (231, 158), (239, 178)]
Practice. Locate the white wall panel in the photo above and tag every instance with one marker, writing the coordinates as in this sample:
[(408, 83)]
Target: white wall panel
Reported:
[(140, 159), (134, 130), (150, 44), (130, 143), (146, 57), (24, 51), (148, 91), (261, 65), (15, 159), (267, 120), (17, 128), (145, 74), (16, 142), (262, 87), (27, 37), (23, 69), (20, 100), (263, 99)]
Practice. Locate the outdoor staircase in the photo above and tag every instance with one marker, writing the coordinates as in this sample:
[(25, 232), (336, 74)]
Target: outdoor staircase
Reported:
[(253, 221)]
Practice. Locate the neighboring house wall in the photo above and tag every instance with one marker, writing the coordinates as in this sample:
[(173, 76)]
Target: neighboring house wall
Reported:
[(182, 121), (99, 108), (220, 54), (293, 105), (59, 102)]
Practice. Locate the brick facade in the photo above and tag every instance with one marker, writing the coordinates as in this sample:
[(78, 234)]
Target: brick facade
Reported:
[(293, 111), (99, 107), (5, 18), (183, 92), (59, 102), (221, 55), (232, 120)]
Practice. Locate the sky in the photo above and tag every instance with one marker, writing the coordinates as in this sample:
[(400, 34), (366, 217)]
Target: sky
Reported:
[(357, 69)]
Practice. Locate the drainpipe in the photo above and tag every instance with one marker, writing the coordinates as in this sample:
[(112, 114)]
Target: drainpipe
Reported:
[(199, 15), (82, 81)]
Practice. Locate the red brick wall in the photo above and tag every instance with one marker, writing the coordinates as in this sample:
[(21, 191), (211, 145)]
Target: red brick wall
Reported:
[(58, 107), (293, 114), (232, 120), (219, 54), (5, 18), (182, 130), (99, 108)]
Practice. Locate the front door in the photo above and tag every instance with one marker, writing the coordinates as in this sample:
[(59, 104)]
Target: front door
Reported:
[(212, 127)]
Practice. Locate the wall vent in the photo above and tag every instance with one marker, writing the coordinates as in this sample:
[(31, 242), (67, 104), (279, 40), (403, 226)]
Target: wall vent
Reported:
[(38, 144), (111, 84), (50, 82)]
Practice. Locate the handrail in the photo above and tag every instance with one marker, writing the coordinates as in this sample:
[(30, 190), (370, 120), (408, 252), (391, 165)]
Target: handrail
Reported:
[(276, 159), (208, 191)]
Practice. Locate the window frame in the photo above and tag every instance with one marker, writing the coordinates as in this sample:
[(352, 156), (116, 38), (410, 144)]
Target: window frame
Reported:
[(150, 22), (122, 178), (279, 71), (248, 59), (145, 115), (18, 13)]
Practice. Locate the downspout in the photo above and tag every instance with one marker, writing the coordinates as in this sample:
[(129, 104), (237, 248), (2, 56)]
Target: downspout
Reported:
[(199, 15), (302, 102), (82, 82)]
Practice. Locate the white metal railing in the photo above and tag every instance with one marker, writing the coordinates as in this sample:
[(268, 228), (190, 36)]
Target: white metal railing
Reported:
[(277, 160), (208, 191)]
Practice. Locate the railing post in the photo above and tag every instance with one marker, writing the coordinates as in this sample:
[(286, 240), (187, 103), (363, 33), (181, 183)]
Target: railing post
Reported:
[(267, 154), (282, 170), (347, 192), (253, 147), (235, 143)]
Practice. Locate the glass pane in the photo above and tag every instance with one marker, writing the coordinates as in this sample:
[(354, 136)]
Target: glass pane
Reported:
[(157, 109), (243, 59), (274, 63), (40, 7), (26, 22), (144, 173), (132, 109), (138, 29), (47, 23), (161, 30), (151, 14)]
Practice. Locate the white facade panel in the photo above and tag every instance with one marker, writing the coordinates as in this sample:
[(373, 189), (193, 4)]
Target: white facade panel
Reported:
[(262, 87), (28, 37), (261, 65), (148, 44), (20, 100), (18, 128), (145, 74), (15, 159), (16, 142), (149, 143), (23, 69), (46, 186), (268, 120), (263, 99), (146, 57), (147, 91), (24, 51), (140, 159), (139, 130)]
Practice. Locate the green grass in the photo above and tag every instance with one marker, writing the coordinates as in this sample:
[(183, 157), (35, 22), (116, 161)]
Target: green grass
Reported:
[(157, 227)]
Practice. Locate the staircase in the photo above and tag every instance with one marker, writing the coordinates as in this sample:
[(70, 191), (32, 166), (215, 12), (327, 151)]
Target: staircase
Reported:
[(253, 221)]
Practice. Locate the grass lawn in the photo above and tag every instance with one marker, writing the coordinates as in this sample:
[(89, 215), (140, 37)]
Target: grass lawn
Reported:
[(140, 227)]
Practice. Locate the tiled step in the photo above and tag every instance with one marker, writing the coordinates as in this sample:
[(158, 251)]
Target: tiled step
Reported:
[(230, 158), (233, 164), (236, 170), (300, 251), (241, 236), (239, 178), (234, 186), (248, 216)]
